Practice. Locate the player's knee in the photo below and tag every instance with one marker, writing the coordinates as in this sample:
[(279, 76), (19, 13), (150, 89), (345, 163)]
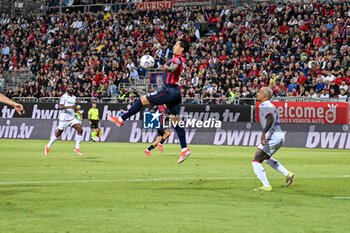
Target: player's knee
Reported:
[(58, 133), (174, 119), (260, 156), (167, 133), (271, 162), (144, 100)]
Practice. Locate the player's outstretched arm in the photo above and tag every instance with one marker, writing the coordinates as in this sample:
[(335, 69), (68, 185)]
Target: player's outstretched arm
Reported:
[(18, 107)]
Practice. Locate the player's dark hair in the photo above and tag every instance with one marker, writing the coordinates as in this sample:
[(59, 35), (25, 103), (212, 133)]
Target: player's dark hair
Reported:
[(185, 45)]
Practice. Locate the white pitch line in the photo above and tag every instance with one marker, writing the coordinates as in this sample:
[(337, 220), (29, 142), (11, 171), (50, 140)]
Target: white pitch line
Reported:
[(145, 180), (341, 198), (112, 181), (101, 172)]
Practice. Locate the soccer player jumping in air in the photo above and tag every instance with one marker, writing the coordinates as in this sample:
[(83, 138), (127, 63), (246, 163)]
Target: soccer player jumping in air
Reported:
[(169, 95), (272, 139)]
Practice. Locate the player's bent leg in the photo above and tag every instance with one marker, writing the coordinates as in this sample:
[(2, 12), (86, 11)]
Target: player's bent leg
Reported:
[(274, 144), (275, 164), (157, 141), (93, 134), (185, 152), (259, 170), (260, 155), (152, 146), (99, 133), (119, 121), (78, 137), (144, 100), (53, 138), (166, 135)]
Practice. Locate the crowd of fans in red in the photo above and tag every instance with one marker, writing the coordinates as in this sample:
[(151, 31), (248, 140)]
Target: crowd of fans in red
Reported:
[(299, 50)]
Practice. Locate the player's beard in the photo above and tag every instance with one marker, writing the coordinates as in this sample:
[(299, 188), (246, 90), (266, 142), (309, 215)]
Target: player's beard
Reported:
[(69, 91)]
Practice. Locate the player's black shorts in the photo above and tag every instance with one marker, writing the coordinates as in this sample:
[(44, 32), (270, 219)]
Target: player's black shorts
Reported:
[(168, 95), (160, 131), (94, 124)]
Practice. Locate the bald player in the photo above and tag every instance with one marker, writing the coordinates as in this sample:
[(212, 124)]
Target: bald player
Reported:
[(272, 139)]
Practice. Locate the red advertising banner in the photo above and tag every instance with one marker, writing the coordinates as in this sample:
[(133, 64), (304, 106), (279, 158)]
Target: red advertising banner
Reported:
[(154, 5), (311, 112)]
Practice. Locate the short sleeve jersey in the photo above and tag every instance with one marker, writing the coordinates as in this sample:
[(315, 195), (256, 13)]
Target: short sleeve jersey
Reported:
[(67, 101), (266, 108), (93, 114)]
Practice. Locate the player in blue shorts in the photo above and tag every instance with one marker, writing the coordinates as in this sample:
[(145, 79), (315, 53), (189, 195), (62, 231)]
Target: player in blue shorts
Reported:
[(169, 95)]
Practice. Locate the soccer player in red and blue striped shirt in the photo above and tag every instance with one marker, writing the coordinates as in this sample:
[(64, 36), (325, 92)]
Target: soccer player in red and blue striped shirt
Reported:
[(169, 95)]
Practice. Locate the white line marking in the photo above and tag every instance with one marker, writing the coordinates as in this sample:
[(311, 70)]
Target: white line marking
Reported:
[(147, 172), (100, 172), (341, 198), (146, 180)]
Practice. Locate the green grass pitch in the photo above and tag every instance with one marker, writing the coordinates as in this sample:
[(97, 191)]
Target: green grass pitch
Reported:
[(114, 187)]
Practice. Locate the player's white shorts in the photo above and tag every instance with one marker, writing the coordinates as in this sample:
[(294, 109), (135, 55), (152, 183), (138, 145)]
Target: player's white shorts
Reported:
[(64, 124), (273, 144)]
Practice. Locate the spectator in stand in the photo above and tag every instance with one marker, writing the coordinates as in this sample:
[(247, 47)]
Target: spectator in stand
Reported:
[(343, 94), (324, 94)]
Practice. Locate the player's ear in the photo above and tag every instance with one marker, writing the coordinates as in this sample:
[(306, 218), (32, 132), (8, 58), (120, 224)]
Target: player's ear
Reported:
[(181, 48)]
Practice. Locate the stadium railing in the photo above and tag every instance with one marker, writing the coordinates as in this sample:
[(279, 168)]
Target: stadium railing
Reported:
[(205, 101), (241, 101), (307, 99), (114, 6), (14, 78), (25, 99), (52, 99)]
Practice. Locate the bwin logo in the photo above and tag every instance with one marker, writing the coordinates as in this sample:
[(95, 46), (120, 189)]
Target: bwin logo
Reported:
[(151, 120)]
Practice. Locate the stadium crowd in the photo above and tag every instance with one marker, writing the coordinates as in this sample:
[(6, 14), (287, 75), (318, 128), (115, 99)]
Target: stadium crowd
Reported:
[(299, 50)]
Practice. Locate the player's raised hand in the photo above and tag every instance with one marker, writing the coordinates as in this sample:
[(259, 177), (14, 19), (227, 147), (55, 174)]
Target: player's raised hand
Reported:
[(19, 108)]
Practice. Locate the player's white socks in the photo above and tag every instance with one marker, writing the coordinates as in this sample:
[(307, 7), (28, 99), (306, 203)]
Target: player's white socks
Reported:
[(183, 149), (52, 140), (260, 173), (277, 166), (78, 139)]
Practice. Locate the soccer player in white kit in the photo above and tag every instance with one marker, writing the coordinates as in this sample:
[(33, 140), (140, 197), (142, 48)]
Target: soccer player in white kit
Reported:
[(67, 118), (272, 139)]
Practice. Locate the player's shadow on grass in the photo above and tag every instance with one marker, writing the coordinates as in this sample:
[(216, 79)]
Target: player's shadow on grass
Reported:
[(91, 159)]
